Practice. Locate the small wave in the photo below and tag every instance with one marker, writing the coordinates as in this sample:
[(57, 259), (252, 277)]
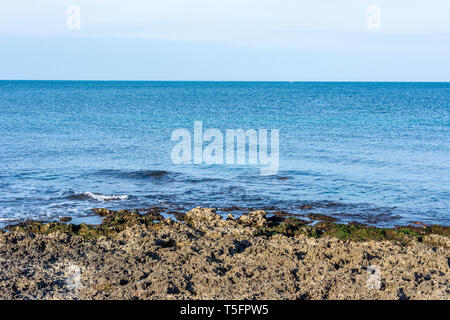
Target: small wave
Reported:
[(144, 174), (202, 180), (96, 196), (139, 174)]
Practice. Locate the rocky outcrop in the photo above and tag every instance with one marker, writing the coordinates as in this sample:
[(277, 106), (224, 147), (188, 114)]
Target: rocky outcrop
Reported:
[(254, 219), (134, 255)]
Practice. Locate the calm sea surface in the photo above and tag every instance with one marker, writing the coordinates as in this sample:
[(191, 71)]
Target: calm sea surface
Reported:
[(377, 152)]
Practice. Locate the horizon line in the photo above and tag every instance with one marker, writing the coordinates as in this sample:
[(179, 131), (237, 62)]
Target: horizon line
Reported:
[(288, 81)]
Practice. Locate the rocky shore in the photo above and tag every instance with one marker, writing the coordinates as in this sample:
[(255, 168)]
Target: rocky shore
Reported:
[(137, 254)]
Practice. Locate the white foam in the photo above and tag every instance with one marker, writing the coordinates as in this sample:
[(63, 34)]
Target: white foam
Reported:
[(101, 197)]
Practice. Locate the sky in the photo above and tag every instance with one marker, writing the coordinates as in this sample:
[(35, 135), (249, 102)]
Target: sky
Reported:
[(233, 40)]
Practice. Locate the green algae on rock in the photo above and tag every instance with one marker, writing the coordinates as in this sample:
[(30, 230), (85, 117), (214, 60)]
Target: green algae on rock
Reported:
[(113, 222), (117, 221), (354, 231)]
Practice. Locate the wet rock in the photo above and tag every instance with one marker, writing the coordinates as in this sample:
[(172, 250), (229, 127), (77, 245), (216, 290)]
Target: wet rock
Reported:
[(418, 223), (180, 216), (102, 212), (269, 208), (281, 213), (65, 219), (233, 208), (321, 217), (114, 222)]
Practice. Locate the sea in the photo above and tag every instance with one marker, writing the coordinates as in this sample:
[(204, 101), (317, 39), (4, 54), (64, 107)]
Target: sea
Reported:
[(371, 152)]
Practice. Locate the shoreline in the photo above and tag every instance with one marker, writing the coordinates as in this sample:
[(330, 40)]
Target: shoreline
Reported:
[(310, 214), (137, 254)]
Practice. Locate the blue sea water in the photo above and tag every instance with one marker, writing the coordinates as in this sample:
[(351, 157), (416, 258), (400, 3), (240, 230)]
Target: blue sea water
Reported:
[(369, 152)]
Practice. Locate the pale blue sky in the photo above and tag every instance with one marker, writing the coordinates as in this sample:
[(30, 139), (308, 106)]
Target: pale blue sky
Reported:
[(226, 40)]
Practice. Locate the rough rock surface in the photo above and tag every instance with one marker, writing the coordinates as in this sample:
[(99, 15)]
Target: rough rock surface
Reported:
[(206, 257)]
